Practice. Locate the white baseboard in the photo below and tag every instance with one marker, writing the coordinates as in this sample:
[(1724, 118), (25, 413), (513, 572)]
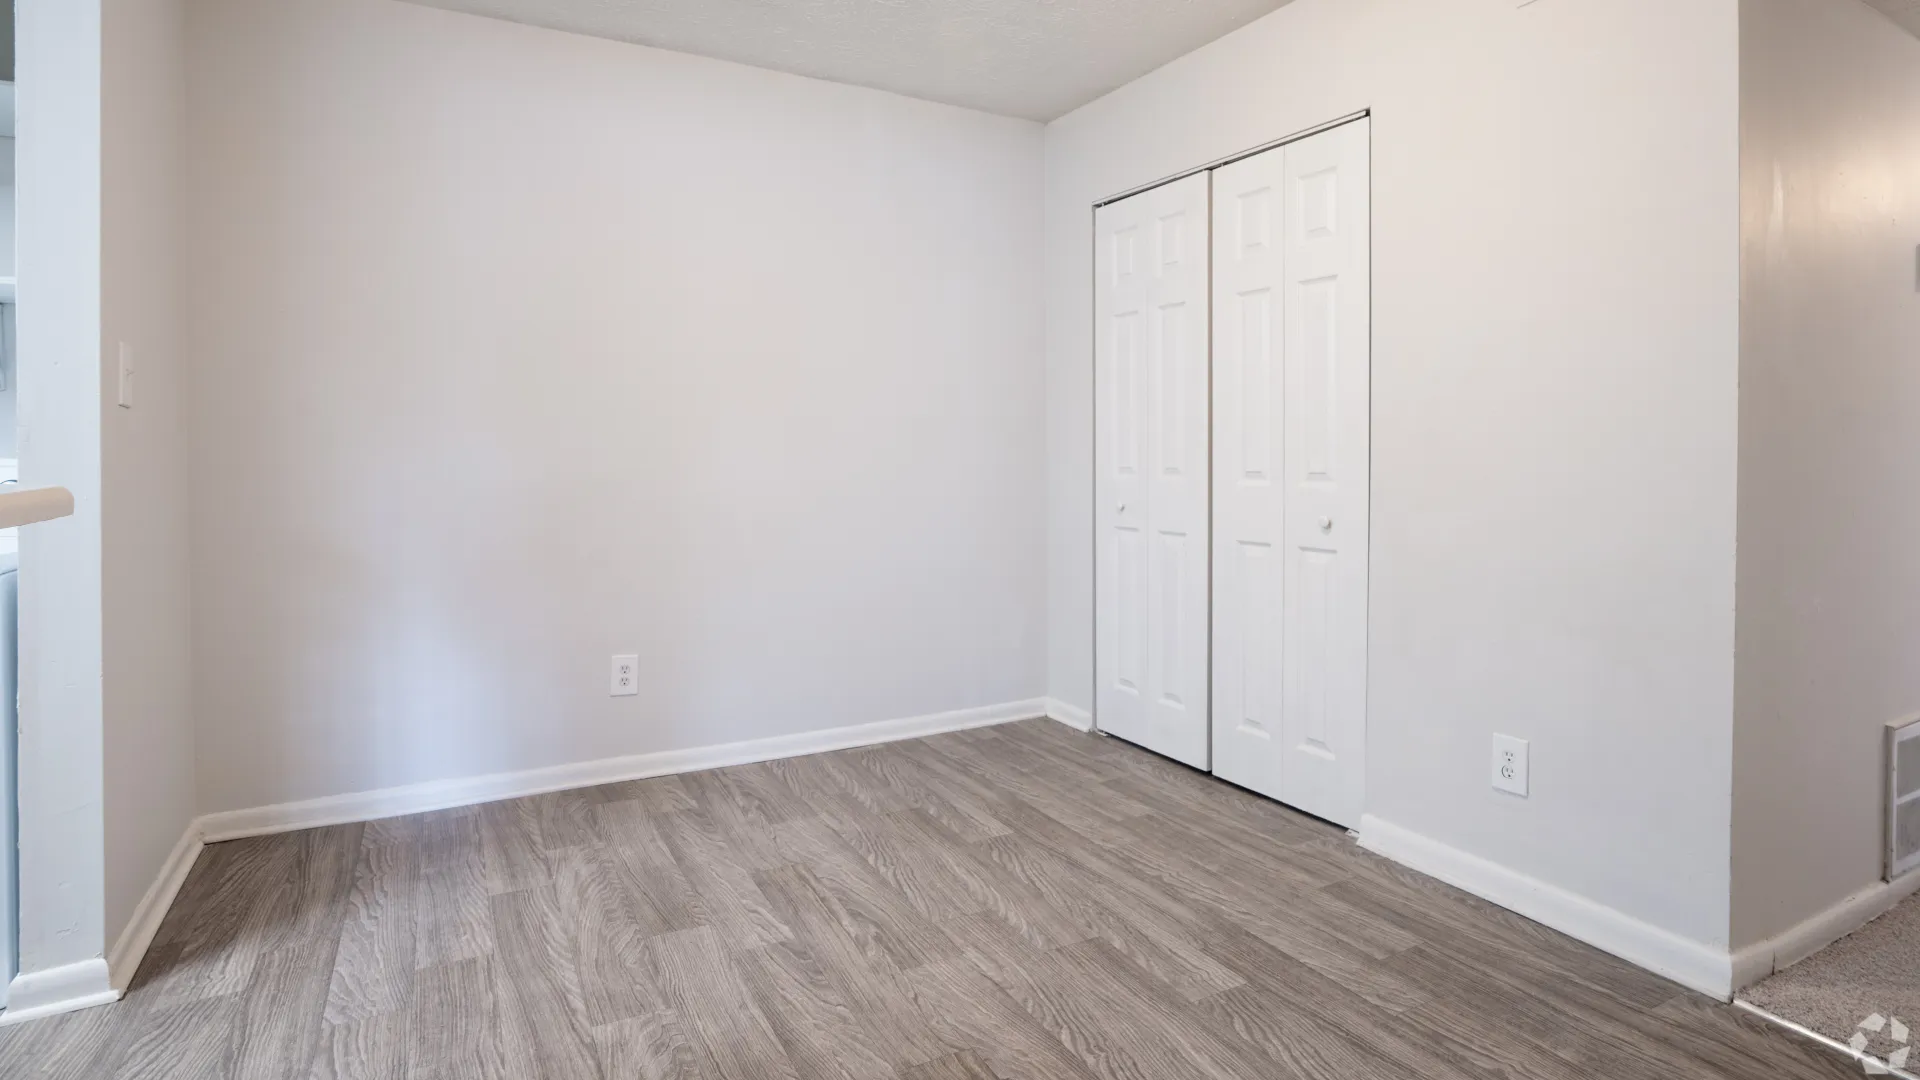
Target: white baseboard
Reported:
[(37, 994), (124, 960), (98, 982), (1690, 963), (442, 794), (1755, 962), (1071, 715)]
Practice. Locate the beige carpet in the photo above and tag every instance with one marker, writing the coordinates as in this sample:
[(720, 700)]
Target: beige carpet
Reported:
[(1876, 970)]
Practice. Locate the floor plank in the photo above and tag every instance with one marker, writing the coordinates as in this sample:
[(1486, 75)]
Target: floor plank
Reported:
[(653, 1047), (454, 1030), (744, 803), (901, 1034), (967, 1009), (917, 872), (642, 864), (187, 1041), (1089, 982), (227, 918), (367, 1048), (881, 920), (723, 881), (609, 931), (452, 920), (655, 794), (374, 964), (538, 975), (1159, 942), (73, 1046), (966, 1065), (698, 979), (810, 1015), (284, 1010), (510, 846)]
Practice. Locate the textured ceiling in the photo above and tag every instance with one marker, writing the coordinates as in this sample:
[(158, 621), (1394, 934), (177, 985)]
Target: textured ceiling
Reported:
[(1904, 12), (1037, 59)]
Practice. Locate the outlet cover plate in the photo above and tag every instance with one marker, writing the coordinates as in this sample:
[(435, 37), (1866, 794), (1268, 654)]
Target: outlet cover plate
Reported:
[(626, 676), (1510, 765)]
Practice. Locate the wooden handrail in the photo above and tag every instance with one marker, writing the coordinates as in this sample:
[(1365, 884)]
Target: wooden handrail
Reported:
[(36, 505)]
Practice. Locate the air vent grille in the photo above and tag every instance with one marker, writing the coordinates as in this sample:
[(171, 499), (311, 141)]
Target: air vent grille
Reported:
[(1903, 797)]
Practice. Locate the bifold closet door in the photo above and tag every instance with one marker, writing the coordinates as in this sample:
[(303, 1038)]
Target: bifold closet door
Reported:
[(1150, 436), (1290, 470)]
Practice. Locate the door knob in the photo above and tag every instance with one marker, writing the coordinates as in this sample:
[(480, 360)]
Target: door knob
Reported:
[(1326, 524), (1121, 509)]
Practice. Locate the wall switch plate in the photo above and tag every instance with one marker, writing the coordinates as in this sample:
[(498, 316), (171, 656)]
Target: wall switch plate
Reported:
[(1510, 765), (626, 676), (125, 396)]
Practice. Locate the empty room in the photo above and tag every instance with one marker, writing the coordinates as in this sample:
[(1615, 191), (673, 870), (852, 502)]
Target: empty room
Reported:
[(960, 539)]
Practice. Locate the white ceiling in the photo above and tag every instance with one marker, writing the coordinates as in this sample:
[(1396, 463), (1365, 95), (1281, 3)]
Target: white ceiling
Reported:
[(1038, 59), (1904, 12)]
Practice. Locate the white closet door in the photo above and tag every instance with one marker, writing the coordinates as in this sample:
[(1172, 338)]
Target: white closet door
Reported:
[(1248, 450), (1151, 486), (1291, 459)]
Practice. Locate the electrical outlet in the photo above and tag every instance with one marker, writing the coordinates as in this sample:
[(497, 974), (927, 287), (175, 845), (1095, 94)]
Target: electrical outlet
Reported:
[(626, 676), (1510, 765)]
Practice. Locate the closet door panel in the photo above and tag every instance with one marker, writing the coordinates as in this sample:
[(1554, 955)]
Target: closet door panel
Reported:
[(1248, 451), (1326, 473), (1290, 459), (1152, 406)]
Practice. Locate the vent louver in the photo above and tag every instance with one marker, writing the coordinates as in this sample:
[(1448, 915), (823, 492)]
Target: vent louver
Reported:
[(1903, 797)]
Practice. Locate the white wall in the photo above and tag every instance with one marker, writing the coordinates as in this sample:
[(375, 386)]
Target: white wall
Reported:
[(515, 350), (149, 745), (106, 758), (1555, 314), (62, 920), (1829, 624)]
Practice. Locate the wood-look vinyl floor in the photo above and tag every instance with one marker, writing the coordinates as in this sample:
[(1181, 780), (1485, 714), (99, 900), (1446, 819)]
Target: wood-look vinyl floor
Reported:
[(1015, 903)]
